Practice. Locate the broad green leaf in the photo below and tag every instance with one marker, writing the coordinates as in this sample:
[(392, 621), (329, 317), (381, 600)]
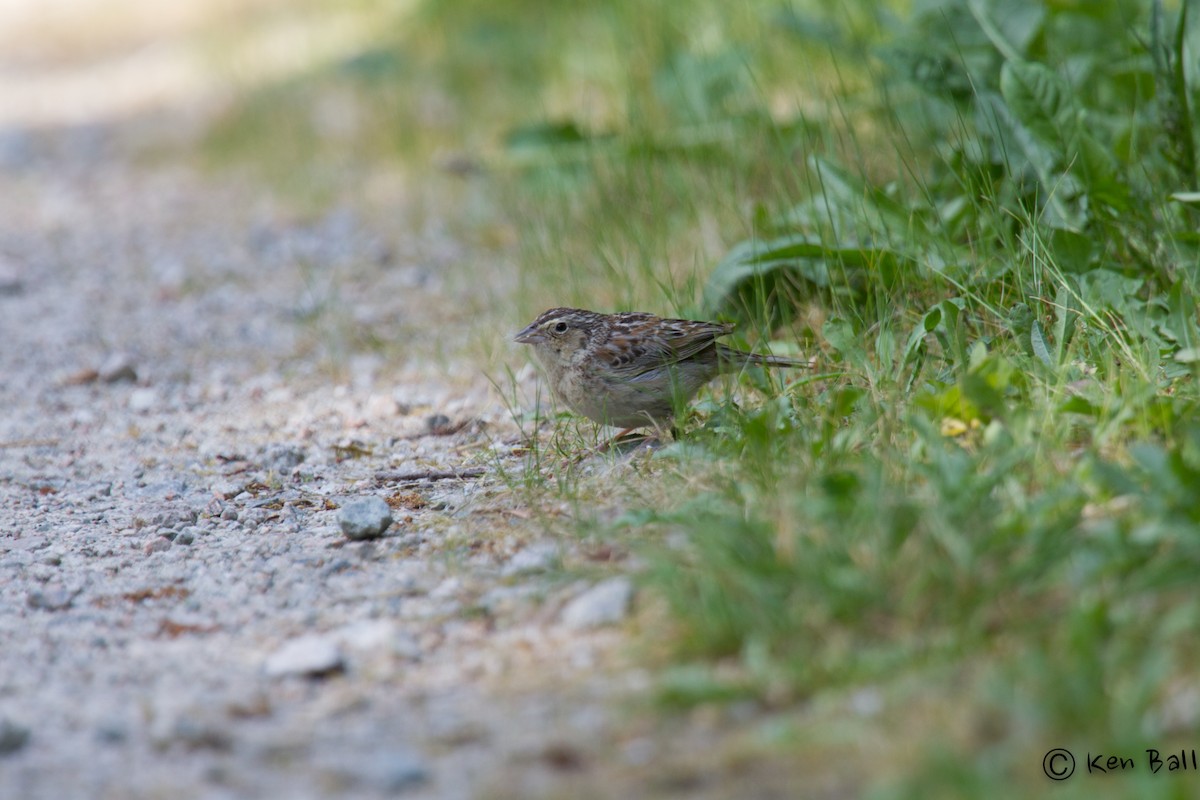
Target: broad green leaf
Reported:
[(1020, 323), (1041, 347), (1079, 405), (1044, 105), (1041, 102), (754, 272), (1190, 355), (545, 134)]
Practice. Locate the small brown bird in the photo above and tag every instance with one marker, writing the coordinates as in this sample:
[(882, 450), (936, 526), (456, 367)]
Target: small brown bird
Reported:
[(632, 369)]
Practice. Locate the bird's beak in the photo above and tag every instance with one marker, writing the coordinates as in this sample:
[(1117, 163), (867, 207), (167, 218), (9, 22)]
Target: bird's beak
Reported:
[(531, 335)]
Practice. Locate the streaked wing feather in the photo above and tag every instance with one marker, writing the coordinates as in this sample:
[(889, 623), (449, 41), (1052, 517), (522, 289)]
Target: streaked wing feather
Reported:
[(656, 343)]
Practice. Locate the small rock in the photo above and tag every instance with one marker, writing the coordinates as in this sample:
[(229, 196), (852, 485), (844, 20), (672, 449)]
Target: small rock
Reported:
[(111, 731), (603, 604), (159, 544), (368, 634), (536, 557), (56, 599), (380, 406), (310, 655), (226, 489), (437, 424), (398, 772), (12, 736), (230, 514), (189, 534), (143, 399), (118, 368), (11, 284), (196, 728), (283, 457), (365, 517)]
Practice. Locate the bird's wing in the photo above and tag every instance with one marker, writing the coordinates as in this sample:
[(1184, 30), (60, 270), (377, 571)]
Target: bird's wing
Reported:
[(651, 343)]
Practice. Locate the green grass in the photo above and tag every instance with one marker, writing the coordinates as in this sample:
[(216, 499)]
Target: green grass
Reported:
[(984, 503)]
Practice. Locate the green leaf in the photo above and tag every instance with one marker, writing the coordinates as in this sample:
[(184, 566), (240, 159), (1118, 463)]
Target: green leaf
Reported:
[(1020, 323), (544, 134), (1044, 106), (1189, 356), (756, 274), (1041, 348), (1041, 102), (842, 337), (1079, 405)]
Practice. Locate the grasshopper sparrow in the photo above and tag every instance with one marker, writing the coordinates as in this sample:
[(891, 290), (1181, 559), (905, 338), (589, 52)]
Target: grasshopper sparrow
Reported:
[(632, 369)]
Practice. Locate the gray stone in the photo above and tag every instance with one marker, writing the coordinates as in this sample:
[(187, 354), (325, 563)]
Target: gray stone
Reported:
[(536, 557), (226, 489), (12, 736), (603, 604), (193, 728), (283, 457), (310, 655), (158, 544), (189, 534), (365, 517), (398, 772), (52, 599), (118, 368), (143, 399)]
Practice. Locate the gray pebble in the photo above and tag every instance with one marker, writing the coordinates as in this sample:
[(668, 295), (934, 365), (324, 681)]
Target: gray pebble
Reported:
[(603, 604), (283, 457), (159, 544), (111, 732), (12, 736), (310, 655), (143, 399), (193, 729), (56, 599), (226, 489), (536, 557), (230, 514), (117, 368), (185, 536), (398, 772), (364, 517)]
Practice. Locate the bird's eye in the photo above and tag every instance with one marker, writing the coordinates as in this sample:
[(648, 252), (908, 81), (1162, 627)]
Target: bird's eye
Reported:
[(560, 327)]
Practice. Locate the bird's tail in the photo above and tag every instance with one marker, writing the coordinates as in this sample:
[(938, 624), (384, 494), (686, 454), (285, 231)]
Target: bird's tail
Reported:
[(741, 358)]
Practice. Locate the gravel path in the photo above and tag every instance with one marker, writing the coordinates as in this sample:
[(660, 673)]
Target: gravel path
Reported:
[(190, 397)]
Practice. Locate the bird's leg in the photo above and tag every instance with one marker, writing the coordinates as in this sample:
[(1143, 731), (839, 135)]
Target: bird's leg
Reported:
[(606, 445)]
